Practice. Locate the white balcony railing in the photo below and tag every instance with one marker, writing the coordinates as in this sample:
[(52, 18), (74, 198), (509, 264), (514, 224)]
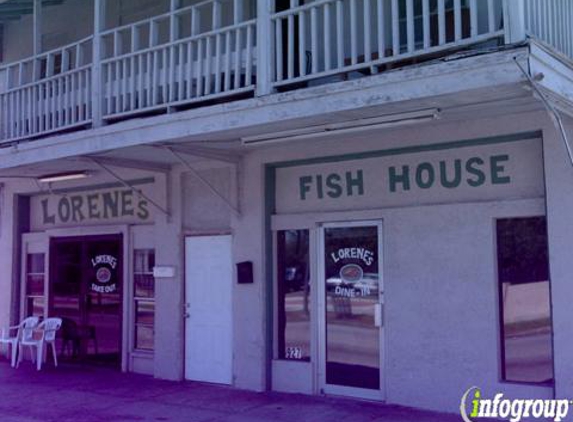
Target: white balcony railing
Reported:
[(222, 48)]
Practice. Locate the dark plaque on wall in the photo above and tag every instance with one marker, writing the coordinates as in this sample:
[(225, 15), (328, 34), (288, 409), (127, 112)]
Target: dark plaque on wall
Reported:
[(245, 272)]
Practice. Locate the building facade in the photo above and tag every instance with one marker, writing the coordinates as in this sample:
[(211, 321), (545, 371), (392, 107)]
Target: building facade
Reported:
[(347, 197)]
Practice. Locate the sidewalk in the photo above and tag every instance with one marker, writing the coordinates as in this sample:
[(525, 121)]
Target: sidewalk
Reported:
[(73, 393)]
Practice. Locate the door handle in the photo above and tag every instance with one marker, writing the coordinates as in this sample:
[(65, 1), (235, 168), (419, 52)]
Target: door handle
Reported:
[(378, 315)]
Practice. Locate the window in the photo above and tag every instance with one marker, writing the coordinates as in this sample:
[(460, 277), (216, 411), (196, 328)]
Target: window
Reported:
[(293, 316), (35, 276), (144, 298), (523, 273)]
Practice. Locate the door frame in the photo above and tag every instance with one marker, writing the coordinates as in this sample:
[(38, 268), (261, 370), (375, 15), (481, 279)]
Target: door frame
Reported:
[(186, 304), (84, 290), (46, 236), (380, 394)]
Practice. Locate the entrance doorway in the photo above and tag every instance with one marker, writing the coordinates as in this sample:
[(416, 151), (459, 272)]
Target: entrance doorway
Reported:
[(86, 292), (208, 306), (351, 298)]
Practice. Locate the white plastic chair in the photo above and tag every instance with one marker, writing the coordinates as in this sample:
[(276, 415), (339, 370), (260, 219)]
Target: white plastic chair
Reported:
[(23, 330), (46, 336)]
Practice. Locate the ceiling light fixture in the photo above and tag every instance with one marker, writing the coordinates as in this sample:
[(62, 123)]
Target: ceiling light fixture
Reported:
[(61, 177), (349, 126)]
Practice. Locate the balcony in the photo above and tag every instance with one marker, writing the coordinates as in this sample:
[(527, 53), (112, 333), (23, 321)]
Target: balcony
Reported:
[(223, 50)]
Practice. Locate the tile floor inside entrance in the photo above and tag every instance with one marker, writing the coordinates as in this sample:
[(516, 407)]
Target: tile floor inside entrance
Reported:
[(89, 394)]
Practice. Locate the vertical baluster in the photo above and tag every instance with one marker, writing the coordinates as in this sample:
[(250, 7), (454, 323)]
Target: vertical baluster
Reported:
[(155, 79), (366, 12), (239, 57), (135, 67), (126, 71), (473, 18), (340, 34), (190, 62), (381, 27), (149, 79), (327, 36), (208, 65), (426, 23), (53, 104), (200, 67), (237, 11), (410, 36), (117, 85), (227, 85), (278, 48), (181, 75), (218, 54), (314, 39), (353, 33), (395, 28), (167, 74), (302, 43), (441, 22), (69, 93), (458, 19), (249, 59), (290, 56)]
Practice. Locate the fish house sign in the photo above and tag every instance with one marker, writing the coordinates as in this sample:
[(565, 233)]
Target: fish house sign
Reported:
[(464, 172), (120, 205)]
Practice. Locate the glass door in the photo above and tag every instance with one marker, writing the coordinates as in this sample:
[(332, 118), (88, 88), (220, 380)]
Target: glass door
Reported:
[(351, 306), (85, 287)]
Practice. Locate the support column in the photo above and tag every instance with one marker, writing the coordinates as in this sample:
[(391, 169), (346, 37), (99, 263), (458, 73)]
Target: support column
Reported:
[(97, 80), (37, 37), (514, 21), (264, 47)]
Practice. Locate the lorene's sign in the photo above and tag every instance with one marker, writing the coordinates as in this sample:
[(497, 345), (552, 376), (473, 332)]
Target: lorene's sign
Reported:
[(510, 170), (105, 206), (105, 268)]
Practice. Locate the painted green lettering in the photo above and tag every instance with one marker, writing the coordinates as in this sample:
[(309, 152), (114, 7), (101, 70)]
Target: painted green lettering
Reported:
[(472, 168), (48, 218), (304, 186), (497, 169), (352, 182), (64, 210), (333, 185), (93, 212), (427, 181), (319, 186), (143, 212), (126, 203), (110, 204), (77, 203), (450, 184), (395, 178)]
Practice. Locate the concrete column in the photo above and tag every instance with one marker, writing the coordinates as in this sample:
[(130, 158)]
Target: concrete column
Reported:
[(169, 323)]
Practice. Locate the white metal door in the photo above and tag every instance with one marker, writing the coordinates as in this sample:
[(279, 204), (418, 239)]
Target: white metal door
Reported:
[(208, 324), (351, 309)]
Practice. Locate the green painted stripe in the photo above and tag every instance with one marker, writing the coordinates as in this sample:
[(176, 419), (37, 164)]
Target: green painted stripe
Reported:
[(410, 149), (101, 186), (270, 206)]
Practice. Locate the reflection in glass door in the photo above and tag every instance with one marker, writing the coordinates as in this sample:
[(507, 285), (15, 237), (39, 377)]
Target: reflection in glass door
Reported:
[(352, 297)]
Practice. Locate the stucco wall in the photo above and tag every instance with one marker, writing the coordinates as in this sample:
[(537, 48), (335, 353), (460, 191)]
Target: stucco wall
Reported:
[(559, 179), (437, 348)]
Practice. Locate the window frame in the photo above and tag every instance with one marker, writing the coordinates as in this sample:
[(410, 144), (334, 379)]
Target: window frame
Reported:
[(502, 375), (136, 299)]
